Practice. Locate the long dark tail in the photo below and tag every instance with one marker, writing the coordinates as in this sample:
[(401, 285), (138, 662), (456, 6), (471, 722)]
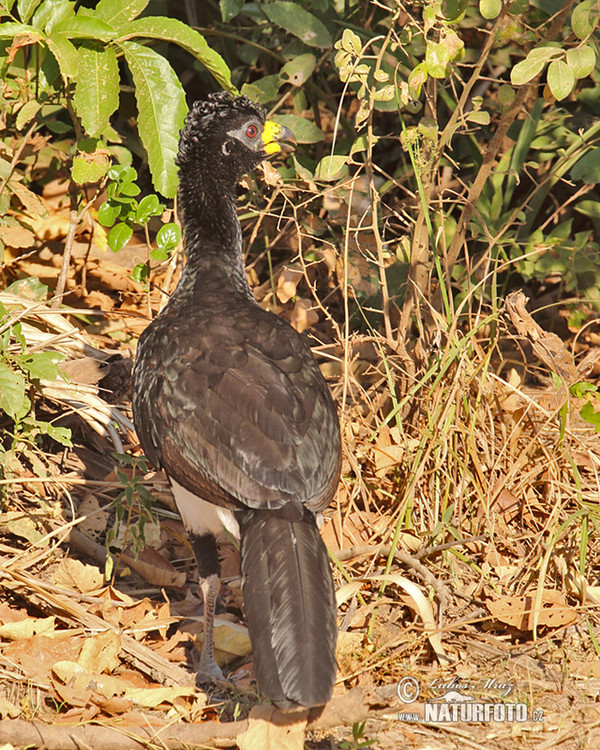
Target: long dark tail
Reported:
[(290, 607)]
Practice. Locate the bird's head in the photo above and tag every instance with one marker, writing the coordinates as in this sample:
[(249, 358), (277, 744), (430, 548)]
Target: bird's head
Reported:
[(229, 134)]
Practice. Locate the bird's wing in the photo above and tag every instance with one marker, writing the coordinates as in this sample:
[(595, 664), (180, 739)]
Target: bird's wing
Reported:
[(247, 420)]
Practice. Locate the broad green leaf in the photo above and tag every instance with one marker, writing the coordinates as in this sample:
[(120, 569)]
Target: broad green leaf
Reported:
[(11, 30), (89, 169), (453, 10), (264, 89), (52, 12), (168, 237), (108, 213), (122, 173), (13, 399), (490, 8), (230, 8), (350, 42), (561, 79), (518, 6), (148, 206), (331, 167), (119, 12), (293, 18), (480, 118), (304, 130), (172, 30), (437, 59), (26, 9), (506, 95), (65, 53), (40, 365), (85, 27), (62, 435), (532, 65), (587, 168), (26, 113), (161, 111), (589, 208), (119, 236), (96, 88), (584, 18), (298, 70), (582, 61)]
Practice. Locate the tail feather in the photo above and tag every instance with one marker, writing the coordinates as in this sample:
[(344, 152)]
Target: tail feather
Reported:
[(289, 601)]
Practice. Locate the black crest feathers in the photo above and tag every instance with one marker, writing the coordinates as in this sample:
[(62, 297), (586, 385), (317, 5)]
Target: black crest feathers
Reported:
[(203, 114)]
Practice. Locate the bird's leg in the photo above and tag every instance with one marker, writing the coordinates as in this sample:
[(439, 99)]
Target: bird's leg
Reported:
[(205, 550), (210, 590)]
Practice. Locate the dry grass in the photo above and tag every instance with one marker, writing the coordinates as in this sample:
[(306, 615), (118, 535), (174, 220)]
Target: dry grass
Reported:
[(463, 533)]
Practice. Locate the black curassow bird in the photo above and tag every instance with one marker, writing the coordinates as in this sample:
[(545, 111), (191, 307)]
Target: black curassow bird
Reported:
[(229, 401)]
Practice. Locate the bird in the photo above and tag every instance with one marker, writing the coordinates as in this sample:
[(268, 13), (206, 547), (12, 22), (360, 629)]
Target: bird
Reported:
[(229, 401)]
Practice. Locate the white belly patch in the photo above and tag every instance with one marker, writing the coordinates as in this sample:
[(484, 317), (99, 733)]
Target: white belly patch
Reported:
[(201, 517)]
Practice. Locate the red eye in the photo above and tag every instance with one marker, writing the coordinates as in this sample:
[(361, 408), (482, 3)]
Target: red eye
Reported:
[(251, 131)]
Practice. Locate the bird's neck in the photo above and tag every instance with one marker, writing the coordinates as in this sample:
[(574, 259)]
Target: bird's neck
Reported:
[(213, 236)]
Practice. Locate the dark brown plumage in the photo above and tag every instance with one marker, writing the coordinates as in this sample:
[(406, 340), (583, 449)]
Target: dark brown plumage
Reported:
[(230, 402)]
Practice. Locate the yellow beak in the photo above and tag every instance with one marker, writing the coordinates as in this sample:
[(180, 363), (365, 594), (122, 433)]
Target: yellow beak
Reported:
[(273, 132)]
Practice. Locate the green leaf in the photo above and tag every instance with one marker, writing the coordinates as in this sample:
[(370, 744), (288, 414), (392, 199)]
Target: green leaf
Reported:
[(589, 208), (26, 113), (122, 173), (26, 9), (506, 95), (581, 60), (108, 213), (304, 130), (481, 117), (264, 89), (11, 30), (299, 22), (162, 109), (90, 168), (65, 53), (149, 206), (437, 59), (172, 30), (561, 79), (85, 27), (119, 12), (13, 399), (587, 168), (298, 70), (453, 10), (331, 167), (584, 19), (350, 42), (40, 365), (62, 435), (140, 273), (119, 236), (490, 8), (230, 9), (97, 87), (168, 237), (52, 12), (589, 415), (532, 65)]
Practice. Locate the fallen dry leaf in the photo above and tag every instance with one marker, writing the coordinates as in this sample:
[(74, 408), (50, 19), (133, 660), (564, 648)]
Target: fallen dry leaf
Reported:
[(517, 611), (287, 283), (73, 574), (100, 652), (272, 729)]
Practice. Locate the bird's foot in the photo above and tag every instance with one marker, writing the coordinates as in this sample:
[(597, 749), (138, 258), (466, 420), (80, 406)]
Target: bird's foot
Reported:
[(209, 671)]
